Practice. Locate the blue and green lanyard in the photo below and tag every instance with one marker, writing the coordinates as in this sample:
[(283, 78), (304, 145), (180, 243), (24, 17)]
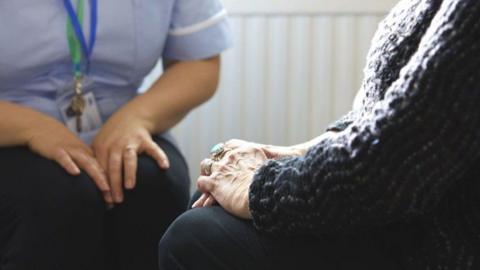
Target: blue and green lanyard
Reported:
[(80, 51)]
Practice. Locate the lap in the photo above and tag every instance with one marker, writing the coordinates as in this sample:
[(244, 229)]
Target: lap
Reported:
[(210, 238), (40, 201), (28, 177)]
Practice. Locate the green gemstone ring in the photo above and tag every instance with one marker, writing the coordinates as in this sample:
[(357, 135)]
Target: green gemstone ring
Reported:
[(217, 151)]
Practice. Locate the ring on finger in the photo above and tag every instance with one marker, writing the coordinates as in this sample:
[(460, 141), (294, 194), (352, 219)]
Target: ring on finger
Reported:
[(218, 151)]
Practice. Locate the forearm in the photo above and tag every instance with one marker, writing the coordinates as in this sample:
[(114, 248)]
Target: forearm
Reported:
[(182, 87), (17, 123)]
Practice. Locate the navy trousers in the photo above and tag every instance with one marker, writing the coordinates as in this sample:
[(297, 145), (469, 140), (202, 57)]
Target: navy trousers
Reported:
[(50, 220), (210, 238)]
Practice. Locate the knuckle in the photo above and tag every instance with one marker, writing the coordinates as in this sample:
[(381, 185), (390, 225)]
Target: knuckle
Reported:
[(118, 145), (113, 168), (215, 177), (223, 168), (115, 157), (216, 166), (204, 163), (80, 156), (59, 153), (102, 148), (232, 158)]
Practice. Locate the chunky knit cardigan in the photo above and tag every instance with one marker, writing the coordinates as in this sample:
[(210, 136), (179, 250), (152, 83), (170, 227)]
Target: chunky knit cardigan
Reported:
[(408, 161)]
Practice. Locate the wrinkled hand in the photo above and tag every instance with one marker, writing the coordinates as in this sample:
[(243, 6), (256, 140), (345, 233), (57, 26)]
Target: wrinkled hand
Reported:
[(117, 147), (230, 179), (271, 151), (54, 141), (249, 148)]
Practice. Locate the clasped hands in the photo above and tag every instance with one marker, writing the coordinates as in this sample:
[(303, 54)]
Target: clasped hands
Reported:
[(226, 176)]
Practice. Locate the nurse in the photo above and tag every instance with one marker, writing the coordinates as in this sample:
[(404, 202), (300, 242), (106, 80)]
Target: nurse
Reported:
[(77, 139)]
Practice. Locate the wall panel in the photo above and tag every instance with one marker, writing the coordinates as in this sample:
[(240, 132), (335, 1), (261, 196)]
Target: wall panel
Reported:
[(287, 78)]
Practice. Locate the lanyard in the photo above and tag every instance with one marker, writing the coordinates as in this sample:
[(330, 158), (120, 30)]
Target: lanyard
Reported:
[(76, 39)]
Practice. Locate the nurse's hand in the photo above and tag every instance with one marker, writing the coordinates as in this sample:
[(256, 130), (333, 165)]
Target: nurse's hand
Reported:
[(54, 141), (117, 146)]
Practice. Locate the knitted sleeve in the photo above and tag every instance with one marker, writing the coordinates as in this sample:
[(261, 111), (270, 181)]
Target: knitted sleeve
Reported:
[(396, 40), (397, 161)]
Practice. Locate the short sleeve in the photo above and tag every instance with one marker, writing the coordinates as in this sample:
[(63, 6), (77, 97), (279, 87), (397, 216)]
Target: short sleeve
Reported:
[(199, 29)]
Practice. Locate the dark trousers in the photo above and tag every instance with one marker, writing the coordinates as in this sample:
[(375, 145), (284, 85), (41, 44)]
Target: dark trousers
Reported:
[(210, 238), (50, 220)]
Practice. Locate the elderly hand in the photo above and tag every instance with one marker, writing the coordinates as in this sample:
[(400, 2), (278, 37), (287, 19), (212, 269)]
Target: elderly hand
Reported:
[(117, 146), (249, 150), (230, 178), (271, 151)]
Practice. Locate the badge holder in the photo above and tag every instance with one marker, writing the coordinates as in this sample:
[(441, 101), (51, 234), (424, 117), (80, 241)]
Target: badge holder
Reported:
[(90, 118)]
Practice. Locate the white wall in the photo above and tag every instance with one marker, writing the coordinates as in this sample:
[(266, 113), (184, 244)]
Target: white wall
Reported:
[(295, 68), (248, 7)]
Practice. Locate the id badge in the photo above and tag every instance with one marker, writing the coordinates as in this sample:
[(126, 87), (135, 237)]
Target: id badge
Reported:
[(90, 118)]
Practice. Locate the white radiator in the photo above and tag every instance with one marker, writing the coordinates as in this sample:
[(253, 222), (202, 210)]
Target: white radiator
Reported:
[(289, 75)]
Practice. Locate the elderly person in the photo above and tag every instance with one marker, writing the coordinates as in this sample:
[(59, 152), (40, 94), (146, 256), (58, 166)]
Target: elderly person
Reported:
[(393, 185), (91, 178)]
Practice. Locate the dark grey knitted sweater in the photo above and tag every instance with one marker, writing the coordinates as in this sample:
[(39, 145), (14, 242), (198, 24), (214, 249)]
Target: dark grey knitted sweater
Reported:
[(408, 162)]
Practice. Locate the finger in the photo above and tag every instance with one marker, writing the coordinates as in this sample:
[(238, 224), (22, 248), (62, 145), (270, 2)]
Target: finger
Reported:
[(67, 163), (200, 201), (206, 167), (108, 198), (92, 168), (95, 171), (115, 175), (209, 201), (130, 160), (205, 184), (101, 154), (153, 150)]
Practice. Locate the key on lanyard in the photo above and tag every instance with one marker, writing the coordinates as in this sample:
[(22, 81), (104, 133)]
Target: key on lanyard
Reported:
[(78, 104)]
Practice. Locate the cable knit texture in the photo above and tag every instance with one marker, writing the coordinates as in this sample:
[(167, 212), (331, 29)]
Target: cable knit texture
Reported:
[(406, 162)]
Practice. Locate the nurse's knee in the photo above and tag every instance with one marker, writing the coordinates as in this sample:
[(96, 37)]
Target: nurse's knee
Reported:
[(57, 191), (37, 183), (165, 185)]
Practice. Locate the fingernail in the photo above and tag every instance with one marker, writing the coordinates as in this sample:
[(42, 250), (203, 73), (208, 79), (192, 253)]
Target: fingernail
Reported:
[(108, 197), (166, 165), (129, 184), (106, 187)]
